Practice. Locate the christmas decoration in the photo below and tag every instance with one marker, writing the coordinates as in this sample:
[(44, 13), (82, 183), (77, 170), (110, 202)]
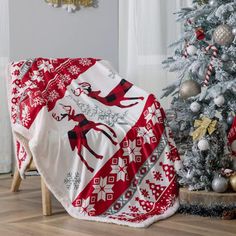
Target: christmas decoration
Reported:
[(191, 50), (211, 64), (225, 57), (219, 184), (203, 125), (200, 34), (71, 5), (189, 88), (232, 181), (234, 31), (230, 119), (223, 35), (219, 100), (203, 145), (213, 3), (195, 107), (232, 137)]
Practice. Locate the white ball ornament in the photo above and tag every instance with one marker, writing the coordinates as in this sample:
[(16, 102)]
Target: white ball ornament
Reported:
[(191, 50), (233, 146), (234, 31), (195, 107), (203, 145), (213, 3), (219, 101)]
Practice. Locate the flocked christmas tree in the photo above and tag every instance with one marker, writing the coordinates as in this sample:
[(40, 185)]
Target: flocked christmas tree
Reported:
[(204, 95)]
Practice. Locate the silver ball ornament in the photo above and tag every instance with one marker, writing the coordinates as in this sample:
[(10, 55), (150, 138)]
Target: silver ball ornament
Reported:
[(219, 101), (191, 50), (195, 107), (203, 145), (230, 120), (189, 88), (219, 184), (213, 3), (234, 31), (223, 35), (224, 57)]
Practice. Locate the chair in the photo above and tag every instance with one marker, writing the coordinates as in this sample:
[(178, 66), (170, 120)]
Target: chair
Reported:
[(46, 195)]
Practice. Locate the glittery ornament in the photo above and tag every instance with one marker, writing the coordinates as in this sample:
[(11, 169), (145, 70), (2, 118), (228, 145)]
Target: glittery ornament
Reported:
[(219, 101), (200, 34), (219, 184), (202, 2), (189, 88), (232, 181), (223, 35), (195, 107), (203, 145)]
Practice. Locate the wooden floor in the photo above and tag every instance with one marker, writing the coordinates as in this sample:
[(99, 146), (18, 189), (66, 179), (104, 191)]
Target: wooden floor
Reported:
[(20, 215)]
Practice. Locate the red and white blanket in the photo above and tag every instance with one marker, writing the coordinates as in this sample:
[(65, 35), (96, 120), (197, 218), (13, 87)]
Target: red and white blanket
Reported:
[(102, 145)]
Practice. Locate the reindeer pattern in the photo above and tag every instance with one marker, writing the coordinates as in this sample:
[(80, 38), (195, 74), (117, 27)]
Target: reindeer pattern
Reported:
[(77, 136)]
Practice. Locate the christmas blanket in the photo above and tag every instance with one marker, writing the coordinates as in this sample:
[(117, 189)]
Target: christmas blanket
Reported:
[(102, 145)]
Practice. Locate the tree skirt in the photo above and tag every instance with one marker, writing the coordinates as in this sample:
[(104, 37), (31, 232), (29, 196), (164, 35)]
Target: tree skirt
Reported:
[(102, 145)]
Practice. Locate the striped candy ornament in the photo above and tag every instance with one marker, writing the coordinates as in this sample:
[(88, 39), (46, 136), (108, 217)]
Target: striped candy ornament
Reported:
[(210, 66)]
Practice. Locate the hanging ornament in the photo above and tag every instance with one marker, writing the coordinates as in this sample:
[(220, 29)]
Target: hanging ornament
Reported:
[(224, 57), (200, 34), (53, 3), (230, 119), (189, 88), (191, 50), (232, 181), (219, 101), (213, 3), (223, 35), (210, 66), (219, 184), (195, 107), (203, 126), (234, 31), (203, 145)]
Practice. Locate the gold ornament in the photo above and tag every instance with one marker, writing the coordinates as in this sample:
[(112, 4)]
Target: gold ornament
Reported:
[(203, 126), (223, 35), (232, 181), (189, 88), (77, 3)]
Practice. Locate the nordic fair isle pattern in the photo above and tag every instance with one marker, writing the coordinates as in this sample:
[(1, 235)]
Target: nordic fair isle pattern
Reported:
[(124, 173)]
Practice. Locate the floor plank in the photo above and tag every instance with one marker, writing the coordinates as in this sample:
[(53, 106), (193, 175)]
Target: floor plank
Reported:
[(21, 215)]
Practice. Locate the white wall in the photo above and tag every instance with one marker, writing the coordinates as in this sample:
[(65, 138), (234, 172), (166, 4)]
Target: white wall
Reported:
[(38, 30)]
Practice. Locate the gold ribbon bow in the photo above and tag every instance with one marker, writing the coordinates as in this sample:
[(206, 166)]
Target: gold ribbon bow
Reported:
[(203, 125)]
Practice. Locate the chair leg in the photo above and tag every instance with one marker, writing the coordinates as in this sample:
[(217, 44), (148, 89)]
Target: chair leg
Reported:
[(46, 199), (16, 181)]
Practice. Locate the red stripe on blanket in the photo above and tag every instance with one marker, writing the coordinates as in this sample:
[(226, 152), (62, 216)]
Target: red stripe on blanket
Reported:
[(102, 190), (40, 83)]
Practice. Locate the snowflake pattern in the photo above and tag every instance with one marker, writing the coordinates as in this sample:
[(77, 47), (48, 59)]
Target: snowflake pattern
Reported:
[(103, 189), (86, 208), (157, 175), (152, 114), (53, 95), (25, 116), (35, 75), (72, 181), (120, 169), (74, 70), (45, 66), (85, 62), (132, 151), (38, 101), (147, 135)]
